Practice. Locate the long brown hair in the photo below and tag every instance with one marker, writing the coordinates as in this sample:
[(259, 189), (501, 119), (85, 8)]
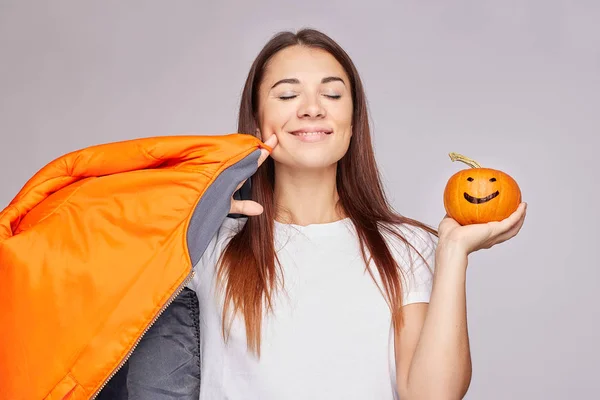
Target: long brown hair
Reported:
[(248, 266)]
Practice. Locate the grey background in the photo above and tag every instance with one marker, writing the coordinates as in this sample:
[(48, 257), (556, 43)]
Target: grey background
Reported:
[(513, 84)]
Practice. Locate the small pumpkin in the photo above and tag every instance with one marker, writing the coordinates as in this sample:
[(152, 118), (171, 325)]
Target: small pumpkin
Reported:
[(479, 195)]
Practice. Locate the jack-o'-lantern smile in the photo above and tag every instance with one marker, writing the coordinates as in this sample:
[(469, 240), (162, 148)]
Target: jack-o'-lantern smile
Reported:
[(479, 200)]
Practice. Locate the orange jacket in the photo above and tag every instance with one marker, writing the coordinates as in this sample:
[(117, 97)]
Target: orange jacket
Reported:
[(96, 245)]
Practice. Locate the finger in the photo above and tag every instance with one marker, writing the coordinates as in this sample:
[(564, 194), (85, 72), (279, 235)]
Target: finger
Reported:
[(264, 153), (245, 207), (271, 141), (513, 231), (501, 227)]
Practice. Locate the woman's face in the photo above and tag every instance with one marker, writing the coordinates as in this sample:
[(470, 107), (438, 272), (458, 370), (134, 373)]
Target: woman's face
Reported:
[(306, 100)]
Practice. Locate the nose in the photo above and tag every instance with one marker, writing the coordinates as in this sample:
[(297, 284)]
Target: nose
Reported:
[(311, 108)]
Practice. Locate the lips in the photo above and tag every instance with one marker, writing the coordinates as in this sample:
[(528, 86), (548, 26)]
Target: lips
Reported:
[(479, 200)]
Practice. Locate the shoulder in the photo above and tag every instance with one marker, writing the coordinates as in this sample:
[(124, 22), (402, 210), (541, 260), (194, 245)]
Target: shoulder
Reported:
[(418, 242), (227, 230), (231, 226)]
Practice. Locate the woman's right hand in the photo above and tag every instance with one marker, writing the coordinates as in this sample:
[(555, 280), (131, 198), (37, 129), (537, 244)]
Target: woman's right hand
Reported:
[(249, 207)]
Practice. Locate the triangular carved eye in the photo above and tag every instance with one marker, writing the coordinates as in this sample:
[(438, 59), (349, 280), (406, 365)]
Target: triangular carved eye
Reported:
[(493, 180), (470, 179)]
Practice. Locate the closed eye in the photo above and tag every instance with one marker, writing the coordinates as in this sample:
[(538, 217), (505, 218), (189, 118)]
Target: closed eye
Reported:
[(329, 96)]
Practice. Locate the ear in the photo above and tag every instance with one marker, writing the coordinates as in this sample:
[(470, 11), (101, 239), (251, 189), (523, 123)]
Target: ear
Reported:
[(256, 123), (257, 131)]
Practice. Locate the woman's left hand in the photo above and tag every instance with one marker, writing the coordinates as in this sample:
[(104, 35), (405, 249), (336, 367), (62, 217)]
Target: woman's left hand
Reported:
[(470, 238)]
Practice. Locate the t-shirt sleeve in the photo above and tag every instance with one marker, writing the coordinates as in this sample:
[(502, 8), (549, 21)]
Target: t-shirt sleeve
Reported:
[(417, 270)]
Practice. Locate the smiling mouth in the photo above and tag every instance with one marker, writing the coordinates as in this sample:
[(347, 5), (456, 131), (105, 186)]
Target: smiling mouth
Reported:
[(479, 200), (315, 133)]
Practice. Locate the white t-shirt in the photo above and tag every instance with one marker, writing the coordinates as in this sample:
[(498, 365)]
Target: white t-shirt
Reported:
[(330, 335)]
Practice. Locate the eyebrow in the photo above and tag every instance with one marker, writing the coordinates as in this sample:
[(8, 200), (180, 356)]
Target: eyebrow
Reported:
[(295, 81)]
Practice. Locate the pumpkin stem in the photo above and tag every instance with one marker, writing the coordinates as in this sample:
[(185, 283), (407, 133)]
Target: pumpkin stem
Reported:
[(466, 160)]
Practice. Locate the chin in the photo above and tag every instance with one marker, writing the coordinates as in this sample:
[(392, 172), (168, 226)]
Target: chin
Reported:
[(314, 164), (309, 160)]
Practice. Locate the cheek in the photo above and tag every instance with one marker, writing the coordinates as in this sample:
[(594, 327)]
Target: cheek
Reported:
[(342, 112), (275, 116)]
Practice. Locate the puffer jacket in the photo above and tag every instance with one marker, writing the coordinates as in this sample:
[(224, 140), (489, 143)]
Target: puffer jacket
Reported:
[(95, 247)]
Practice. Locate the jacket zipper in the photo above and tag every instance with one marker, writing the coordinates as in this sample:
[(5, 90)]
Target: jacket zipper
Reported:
[(139, 339)]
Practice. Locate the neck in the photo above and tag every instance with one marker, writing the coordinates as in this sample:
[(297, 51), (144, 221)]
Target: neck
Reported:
[(306, 197)]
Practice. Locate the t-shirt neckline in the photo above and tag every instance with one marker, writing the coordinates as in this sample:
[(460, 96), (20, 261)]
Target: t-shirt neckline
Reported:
[(319, 226)]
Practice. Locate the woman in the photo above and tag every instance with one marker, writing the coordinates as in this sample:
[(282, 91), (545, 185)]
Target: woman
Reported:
[(316, 325), (322, 290)]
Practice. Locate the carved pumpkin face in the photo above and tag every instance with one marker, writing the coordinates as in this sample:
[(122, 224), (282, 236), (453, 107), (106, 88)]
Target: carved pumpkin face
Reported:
[(480, 195)]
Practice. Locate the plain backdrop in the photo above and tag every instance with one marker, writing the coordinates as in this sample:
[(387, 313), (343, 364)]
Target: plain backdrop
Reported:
[(512, 84)]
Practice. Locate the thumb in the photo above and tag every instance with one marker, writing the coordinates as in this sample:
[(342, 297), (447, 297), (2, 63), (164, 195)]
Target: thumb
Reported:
[(264, 153), (271, 141)]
